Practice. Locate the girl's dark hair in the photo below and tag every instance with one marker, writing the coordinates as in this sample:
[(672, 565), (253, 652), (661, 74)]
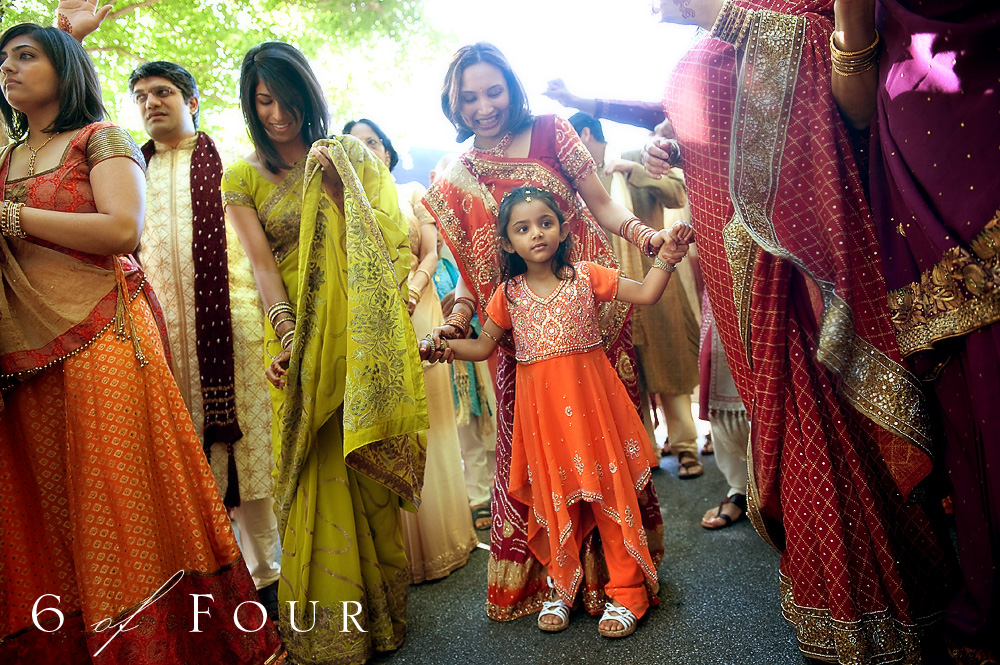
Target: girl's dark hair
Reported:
[(520, 114), (80, 101), (291, 82), (511, 264), (393, 155)]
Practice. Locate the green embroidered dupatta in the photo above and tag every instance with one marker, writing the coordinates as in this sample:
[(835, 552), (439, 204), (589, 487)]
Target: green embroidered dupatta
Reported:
[(354, 347)]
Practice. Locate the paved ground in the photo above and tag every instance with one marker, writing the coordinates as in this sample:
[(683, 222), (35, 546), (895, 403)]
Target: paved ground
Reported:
[(718, 603)]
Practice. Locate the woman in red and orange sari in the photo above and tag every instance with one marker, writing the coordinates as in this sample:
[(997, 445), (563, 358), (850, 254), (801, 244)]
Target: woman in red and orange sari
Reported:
[(111, 517), (839, 429), (484, 99)]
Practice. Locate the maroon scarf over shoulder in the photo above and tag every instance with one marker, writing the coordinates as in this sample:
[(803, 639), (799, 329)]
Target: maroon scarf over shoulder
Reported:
[(213, 318)]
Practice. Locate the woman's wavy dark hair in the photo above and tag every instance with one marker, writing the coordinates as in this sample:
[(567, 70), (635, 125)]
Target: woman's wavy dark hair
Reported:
[(511, 264), (393, 155), (80, 102), (520, 114), (291, 82)]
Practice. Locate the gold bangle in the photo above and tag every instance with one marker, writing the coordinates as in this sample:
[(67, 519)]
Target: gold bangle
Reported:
[(280, 307), (495, 340), (663, 265), (468, 301), (10, 223), (852, 63), (430, 278)]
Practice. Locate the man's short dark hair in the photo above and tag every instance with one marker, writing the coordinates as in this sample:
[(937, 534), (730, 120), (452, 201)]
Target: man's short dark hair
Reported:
[(581, 120), (174, 73)]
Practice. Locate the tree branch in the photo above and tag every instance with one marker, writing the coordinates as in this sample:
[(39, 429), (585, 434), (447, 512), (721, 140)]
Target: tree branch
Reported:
[(131, 8), (114, 49)]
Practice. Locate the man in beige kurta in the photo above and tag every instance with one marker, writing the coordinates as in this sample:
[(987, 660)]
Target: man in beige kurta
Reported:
[(166, 96)]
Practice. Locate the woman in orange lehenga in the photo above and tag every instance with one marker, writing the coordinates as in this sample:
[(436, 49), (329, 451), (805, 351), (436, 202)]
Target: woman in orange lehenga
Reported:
[(483, 98), (106, 495)]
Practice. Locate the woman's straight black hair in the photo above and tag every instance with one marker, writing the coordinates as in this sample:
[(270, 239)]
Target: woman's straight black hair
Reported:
[(80, 102), (291, 82)]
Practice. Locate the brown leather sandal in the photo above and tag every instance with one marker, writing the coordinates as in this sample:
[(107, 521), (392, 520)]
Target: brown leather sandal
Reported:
[(688, 466), (738, 500)]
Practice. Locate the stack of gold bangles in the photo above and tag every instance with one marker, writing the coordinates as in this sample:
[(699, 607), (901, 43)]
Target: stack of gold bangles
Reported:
[(282, 312), (459, 320), (638, 234), (852, 63), (732, 23), (10, 220)]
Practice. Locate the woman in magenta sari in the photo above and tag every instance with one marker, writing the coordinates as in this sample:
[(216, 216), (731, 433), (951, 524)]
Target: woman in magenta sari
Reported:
[(934, 197), (484, 99), (839, 428)]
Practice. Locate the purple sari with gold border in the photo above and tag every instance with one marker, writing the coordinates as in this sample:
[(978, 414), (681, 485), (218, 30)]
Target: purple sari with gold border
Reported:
[(936, 203)]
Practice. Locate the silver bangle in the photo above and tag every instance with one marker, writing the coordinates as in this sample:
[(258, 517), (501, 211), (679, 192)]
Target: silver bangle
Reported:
[(663, 265)]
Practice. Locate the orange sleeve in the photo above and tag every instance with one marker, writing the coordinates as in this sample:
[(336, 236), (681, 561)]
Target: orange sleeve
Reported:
[(604, 281), (497, 309)]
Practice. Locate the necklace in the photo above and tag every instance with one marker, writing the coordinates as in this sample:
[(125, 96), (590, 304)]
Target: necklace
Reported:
[(497, 150), (34, 152)]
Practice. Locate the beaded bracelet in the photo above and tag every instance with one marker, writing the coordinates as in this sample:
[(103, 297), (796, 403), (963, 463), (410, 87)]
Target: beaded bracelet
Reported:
[(663, 265)]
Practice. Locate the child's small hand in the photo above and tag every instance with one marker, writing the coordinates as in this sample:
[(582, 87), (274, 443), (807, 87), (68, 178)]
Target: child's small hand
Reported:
[(679, 237)]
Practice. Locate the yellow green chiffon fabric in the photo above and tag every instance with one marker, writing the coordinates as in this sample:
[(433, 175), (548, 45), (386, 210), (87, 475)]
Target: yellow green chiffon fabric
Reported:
[(348, 426)]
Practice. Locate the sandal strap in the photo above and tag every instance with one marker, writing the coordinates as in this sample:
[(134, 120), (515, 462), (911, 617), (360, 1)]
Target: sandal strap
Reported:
[(557, 608), (739, 500), (622, 615)]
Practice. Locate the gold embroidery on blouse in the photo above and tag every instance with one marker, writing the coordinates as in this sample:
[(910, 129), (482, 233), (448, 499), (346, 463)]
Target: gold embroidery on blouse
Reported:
[(109, 142), (960, 294)]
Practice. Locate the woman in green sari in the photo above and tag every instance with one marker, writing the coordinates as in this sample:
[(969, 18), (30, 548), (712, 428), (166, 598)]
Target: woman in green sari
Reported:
[(320, 222)]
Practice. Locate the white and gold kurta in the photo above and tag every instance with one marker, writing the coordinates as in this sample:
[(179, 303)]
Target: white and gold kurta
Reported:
[(166, 256)]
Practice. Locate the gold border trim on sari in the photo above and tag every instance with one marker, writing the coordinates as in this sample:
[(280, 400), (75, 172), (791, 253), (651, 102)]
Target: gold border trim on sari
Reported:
[(876, 637), (878, 387), (741, 251), (960, 294)]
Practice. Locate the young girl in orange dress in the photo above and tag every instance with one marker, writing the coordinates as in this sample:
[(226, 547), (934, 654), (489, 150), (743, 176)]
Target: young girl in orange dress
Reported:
[(578, 453)]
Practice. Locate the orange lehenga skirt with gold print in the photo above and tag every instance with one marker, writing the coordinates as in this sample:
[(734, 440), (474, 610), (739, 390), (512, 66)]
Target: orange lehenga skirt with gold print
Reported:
[(112, 519)]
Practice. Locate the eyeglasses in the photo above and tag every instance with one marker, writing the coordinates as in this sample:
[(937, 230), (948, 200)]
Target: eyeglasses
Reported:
[(160, 92)]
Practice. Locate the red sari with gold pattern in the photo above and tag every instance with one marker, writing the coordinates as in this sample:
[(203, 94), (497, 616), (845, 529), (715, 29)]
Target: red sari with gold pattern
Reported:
[(464, 204), (839, 435), (108, 502)]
